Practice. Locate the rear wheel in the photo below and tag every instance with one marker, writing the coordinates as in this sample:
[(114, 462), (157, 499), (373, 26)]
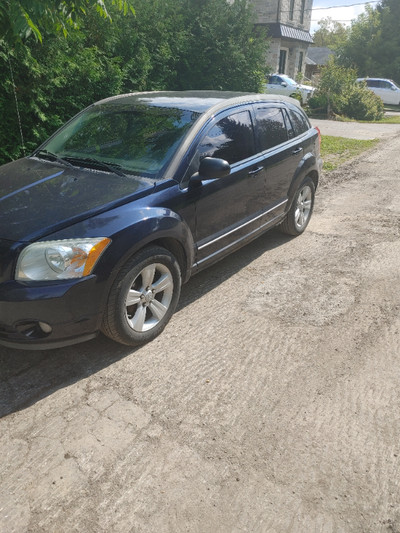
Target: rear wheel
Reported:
[(299, 214), (143, 297)]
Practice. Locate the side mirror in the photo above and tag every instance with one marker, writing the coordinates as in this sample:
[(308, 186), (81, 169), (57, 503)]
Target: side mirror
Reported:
[(284, 84), (211, 168)]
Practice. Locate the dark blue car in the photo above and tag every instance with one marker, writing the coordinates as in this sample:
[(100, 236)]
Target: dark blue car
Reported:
[(101, 225)]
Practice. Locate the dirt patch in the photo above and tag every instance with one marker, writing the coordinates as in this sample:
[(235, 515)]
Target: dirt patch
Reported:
[(269, 404)]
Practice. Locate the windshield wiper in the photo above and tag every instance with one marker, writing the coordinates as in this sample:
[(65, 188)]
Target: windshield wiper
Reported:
[(96, 164), (51, 157)]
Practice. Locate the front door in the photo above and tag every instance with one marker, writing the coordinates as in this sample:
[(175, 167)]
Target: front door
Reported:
[(227, 209), (386, 92)]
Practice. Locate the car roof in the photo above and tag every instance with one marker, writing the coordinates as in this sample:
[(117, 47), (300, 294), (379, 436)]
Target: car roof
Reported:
[(197, 101), (374, 79)]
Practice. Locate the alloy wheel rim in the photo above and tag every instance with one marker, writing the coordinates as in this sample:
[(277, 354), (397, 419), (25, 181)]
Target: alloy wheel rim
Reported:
[(303, 207), (149, 297)]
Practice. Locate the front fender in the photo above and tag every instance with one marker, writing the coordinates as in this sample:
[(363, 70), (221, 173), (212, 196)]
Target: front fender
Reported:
[(131, 228), (159, 225)]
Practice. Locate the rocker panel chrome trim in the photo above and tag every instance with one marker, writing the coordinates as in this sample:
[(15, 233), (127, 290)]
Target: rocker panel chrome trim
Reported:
[(242, 226), (256, 231)]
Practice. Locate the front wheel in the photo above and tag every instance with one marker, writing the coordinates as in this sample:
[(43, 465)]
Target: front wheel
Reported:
[(143, 297), (299, 214)]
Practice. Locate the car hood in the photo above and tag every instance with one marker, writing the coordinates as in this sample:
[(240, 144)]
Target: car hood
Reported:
[(39, 197), (307, 87)]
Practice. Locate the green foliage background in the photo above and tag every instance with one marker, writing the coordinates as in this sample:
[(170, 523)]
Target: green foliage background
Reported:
[(370, 47), (166, 45), (339, 94), (373, 43)]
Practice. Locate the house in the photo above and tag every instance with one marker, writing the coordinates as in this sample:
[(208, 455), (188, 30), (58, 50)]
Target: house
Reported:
[(288, 23), (317, 57)]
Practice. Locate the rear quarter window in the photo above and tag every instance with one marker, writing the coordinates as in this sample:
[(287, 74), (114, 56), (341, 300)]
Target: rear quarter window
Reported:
[(299, 122)]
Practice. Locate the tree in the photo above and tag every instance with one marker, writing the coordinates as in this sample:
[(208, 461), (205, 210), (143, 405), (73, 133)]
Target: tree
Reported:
[(360, 49), (150, 45), (373, 43), (224, 51), (19, 19), (330, 33), (389, 39), (167, 45), (49, 84)]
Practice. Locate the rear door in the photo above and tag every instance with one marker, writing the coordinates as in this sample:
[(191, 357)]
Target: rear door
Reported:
[(282, 153)]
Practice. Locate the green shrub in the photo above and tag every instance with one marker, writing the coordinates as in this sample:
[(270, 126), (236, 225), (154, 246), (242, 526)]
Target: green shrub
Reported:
[(360, 103), (318, 102), (339, 94), (52, 83), (168, 45)]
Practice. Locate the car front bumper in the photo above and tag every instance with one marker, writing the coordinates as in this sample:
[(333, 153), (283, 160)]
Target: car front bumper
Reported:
[(35, 316)]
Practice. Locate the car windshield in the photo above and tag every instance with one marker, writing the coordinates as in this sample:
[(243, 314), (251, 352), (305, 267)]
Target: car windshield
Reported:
[(288, 80), (137, 139)]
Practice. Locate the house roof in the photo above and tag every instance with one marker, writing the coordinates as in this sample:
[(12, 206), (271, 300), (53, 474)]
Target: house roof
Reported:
[(283, 31), (318, 55)]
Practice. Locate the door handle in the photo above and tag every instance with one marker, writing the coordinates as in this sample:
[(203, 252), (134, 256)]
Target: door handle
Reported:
[(255, 171), (297, 151)]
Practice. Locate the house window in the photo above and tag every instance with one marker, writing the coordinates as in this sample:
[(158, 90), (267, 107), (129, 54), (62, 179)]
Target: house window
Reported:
[(291, 10), (282, 61), (301, 57), (303, 8)]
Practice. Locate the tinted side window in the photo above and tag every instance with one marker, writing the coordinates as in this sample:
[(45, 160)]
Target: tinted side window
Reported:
[(372, 83), (230, 139), (275, 80), (271, 127), (299, 122), (289, 127)]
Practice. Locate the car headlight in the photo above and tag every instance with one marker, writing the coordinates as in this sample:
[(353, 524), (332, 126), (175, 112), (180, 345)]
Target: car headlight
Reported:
[(65, 259)]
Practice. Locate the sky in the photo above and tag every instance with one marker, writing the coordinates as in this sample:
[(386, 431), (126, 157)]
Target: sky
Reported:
[(345, 13)]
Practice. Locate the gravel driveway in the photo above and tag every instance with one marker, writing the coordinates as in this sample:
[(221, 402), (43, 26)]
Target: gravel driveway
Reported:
[(270, 404), (356, 130)]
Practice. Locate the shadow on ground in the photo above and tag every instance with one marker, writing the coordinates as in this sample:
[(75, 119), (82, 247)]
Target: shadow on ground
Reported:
[(28, 376)]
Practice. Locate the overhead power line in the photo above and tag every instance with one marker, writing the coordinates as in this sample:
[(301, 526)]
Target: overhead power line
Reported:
[(334, 7), (349, 5)]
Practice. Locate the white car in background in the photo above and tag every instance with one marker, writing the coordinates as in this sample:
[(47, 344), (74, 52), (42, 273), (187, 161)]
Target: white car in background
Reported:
[(386, 89), (282, 84)]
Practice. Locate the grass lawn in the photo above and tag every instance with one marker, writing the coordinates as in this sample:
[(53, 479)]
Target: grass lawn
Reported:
[(337, 150), (390, 119), (387, 119)]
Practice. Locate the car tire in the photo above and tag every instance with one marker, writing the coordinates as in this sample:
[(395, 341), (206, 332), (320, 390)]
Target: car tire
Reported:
[(299, 214), (143, 297)]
